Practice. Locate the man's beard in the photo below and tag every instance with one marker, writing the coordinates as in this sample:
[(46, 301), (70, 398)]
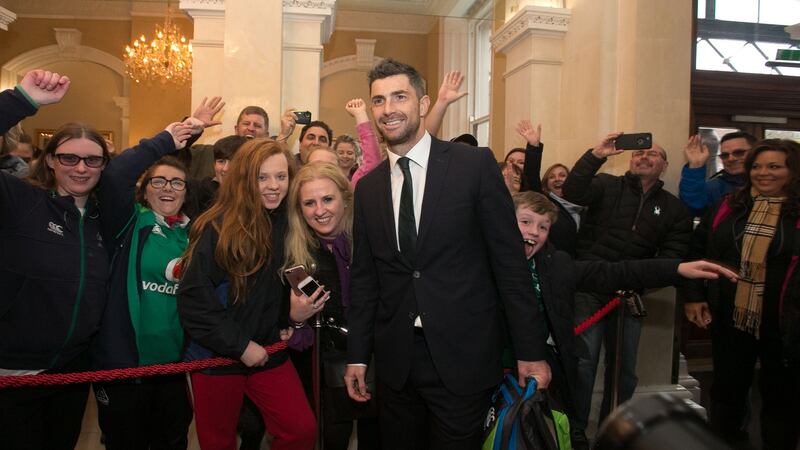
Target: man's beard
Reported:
[(410, 131)]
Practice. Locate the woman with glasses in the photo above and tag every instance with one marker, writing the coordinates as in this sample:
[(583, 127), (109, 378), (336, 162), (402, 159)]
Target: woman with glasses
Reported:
[(232, 303), (757, 231), (142, 194), (53, 271)]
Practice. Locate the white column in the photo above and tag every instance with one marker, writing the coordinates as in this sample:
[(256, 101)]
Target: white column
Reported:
[(533, 40), (454, 45), (208, 58), (306, 26)]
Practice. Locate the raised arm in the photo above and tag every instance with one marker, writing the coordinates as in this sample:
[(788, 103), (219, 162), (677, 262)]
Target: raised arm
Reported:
[(370, 149), (581, 186), (531, 170), (117, 188), (692, 188), (37, 88), (448, 93)]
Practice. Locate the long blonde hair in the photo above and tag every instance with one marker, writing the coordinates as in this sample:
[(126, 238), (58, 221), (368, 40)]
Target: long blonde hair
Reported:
[(301, 240), (238, 216)]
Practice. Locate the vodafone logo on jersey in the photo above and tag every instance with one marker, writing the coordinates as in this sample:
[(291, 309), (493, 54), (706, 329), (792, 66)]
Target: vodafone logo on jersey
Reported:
[(174, 270)]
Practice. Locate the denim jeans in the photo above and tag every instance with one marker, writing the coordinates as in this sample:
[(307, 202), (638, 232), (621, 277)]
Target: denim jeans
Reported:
[(587, 349)]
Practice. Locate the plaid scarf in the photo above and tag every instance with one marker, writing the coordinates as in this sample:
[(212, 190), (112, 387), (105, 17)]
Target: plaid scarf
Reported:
[(758, 233)]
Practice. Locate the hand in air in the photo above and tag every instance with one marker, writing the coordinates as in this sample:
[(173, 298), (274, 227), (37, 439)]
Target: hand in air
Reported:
[(207, 109), (696, 152), (357, 109), (532, 135), (606, 147), (45, 87), (448, 91)]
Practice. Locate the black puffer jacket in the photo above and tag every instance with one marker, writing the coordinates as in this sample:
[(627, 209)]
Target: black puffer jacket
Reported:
[(622, 221)]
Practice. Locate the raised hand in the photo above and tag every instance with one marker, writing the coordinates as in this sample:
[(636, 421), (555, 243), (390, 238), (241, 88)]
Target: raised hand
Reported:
[(696, 152), (45, 87), (705, 270), (180, 133), (195, 125), (606, 147), (288, 123), (532, 135), (357, 109), (448, 91), (207, 109)]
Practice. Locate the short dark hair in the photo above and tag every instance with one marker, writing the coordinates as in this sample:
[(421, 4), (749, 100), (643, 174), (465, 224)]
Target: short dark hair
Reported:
[(739, 135), (466, 138), (226, 147), (254, 110), (389, 68), (320, 124)]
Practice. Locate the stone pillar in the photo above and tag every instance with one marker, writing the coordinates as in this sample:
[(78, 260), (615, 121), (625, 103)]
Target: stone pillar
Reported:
[(306, 26), (236, 55), (532, 41), (454, 51)]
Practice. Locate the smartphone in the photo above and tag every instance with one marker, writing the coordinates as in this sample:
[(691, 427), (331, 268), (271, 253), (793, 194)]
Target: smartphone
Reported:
[(302, 117), (301, 281), (634, 141)]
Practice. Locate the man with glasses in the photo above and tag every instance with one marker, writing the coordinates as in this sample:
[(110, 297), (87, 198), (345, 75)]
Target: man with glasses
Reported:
[(696, 192), (628, 217)]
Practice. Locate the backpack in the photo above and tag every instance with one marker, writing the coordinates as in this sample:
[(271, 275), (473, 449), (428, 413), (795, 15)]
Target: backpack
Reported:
[(525, 420)]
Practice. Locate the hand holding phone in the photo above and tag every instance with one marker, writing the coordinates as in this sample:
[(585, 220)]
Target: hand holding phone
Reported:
[(302, 117), (301, 281), (307, 297), (634, 141)]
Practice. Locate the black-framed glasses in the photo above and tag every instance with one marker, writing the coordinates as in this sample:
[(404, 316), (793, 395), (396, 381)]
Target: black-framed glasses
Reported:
[(736, 154), (69, 159), (178, 184)]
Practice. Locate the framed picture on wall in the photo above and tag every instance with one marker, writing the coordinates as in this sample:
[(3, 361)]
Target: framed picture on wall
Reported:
[(43, 137)]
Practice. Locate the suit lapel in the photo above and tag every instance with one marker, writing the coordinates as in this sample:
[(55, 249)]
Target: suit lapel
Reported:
[(438, 162)]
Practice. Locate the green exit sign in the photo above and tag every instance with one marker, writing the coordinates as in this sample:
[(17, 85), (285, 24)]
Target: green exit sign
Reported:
[(788, 55)]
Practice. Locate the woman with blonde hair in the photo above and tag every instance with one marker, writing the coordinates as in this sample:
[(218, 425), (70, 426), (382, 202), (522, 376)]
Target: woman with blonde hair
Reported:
[(231, 303), (320, 209)]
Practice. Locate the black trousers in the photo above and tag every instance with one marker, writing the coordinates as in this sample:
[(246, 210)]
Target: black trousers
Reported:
[(424, 414), (47, 417), (735, 353), (151, 413)]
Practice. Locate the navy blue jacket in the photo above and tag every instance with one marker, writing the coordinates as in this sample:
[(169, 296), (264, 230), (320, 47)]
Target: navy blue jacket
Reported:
[(53, 267)]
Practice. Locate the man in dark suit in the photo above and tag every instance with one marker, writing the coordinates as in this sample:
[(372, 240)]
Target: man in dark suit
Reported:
[(437, 259)]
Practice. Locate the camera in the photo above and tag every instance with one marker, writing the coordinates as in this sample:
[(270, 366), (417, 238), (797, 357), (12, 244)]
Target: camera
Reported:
[(634, 141), (302, 117)]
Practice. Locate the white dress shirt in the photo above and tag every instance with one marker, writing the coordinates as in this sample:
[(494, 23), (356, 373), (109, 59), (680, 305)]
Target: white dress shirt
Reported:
[(418, 166)]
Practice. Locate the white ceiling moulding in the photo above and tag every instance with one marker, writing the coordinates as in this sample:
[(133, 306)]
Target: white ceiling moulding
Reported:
[(6, 17), (93, 9), (203, 8), (537, 20), (384, 22)]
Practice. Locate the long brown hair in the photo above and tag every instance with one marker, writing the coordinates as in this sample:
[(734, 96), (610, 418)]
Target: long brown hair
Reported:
[(300, 239), (41, 174), (238, 216), (742, 199)]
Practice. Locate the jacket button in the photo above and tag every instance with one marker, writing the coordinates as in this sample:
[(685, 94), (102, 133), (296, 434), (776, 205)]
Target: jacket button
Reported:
[(415, 274)]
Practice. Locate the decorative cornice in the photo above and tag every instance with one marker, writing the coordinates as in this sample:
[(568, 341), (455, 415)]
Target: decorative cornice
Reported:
[(537, 20), (345, 63), (6, 17), (69, 41), (347, 20), (311, 4), (323, 11), (203, 8)]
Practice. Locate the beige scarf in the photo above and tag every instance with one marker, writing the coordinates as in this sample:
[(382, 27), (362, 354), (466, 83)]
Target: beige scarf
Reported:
[(758, 233)]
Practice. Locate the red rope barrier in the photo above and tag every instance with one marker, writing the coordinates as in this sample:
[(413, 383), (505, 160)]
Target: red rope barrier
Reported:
[(121, 374), (594, 318)]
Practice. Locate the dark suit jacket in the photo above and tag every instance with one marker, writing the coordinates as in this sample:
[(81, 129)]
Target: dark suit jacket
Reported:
[(470, 265)]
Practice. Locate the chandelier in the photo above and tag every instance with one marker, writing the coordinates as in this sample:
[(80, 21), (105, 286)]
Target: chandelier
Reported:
[(167, 58)]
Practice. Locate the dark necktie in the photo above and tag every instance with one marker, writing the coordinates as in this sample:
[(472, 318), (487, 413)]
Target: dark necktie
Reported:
[(406, 226)]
